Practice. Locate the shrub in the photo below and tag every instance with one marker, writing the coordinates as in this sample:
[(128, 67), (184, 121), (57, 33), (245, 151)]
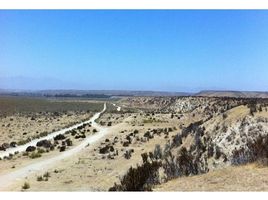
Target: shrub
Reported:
[(125, 144), (69, 142), (128, 137), (13, 144), (217, 152), (210, 150), (59, 137), (62, 148), (25, 186), (158, 152), (177, 141), (104, 150), (46, 175), (186, 164), (144, 157), (35, 155), (24, 141), (139, 179), (4, 146), (52, 148), (224, 128), (256, 150), (262, 162), (252, 107), (44, 143), (39, 150), (25, 153), (170, 166), (30, 148), (43, 134), (39, 178), (127, 154), (111, 148)]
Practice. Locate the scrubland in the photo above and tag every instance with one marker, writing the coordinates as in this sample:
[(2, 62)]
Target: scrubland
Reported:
[(153, 144)]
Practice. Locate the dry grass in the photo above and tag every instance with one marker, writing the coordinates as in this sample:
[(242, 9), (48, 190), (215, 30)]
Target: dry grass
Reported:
[(242, 178), (25, 105), (90, 171)]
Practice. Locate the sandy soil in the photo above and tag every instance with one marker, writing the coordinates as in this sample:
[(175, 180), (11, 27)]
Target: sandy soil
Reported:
[(21, 127)]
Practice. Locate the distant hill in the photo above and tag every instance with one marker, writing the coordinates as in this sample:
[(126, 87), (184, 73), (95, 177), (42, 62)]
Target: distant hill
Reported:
[(128, 93), (237, 94), (89, 93), (115, 92)]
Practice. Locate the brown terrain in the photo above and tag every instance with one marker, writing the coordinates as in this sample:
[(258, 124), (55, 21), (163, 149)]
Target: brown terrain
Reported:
[(152, 143)]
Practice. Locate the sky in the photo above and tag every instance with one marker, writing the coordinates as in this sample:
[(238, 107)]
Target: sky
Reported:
[(161, 50)]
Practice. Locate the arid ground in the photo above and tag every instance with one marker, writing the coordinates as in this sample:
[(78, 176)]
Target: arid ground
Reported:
[(134, 144)]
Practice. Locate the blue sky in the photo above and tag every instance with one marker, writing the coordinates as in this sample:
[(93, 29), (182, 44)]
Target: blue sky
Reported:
[(177, 50)]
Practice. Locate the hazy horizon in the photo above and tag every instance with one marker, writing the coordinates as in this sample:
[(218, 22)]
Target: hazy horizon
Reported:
[(138, 50)]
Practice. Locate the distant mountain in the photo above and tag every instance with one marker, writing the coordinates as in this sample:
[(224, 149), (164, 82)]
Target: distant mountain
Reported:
[(241, 94), (129, 93)]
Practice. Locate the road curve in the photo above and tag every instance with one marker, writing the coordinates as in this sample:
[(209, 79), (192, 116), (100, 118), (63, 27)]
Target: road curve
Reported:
[(7, 179)]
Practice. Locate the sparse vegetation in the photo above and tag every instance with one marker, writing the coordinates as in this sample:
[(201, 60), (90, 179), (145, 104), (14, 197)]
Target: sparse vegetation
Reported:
[(175, 137), (139, 179), (34, 155), (27, 105)]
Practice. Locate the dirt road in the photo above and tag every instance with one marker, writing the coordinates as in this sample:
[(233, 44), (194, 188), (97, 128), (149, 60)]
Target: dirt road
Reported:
[(7, 179)]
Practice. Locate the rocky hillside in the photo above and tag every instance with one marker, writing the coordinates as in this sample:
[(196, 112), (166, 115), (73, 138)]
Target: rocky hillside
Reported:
[(237, 94), (231, 132)]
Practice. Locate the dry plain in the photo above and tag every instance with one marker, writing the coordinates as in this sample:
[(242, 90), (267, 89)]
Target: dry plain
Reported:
[(169, 140)]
